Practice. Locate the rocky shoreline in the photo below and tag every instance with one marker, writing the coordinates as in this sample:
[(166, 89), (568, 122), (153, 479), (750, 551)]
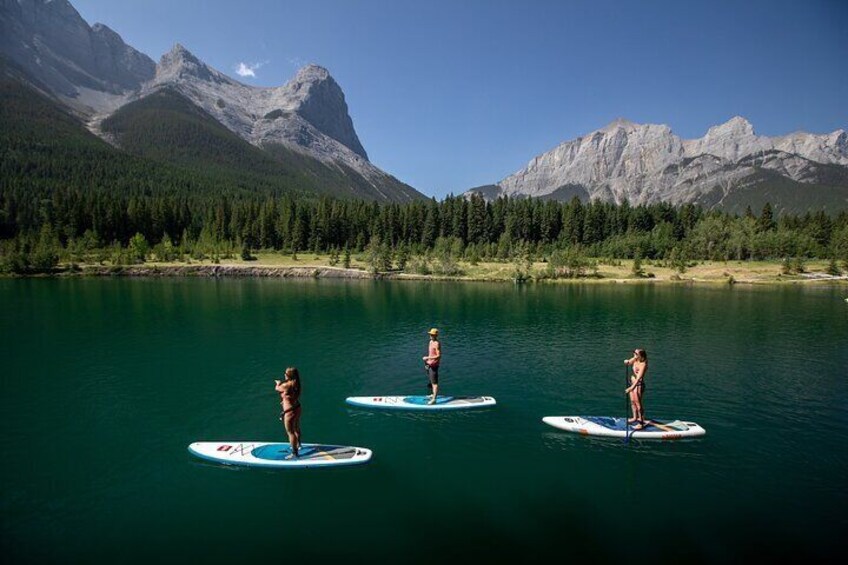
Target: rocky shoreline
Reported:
[(729, 276), (217, 271), (326, 272)]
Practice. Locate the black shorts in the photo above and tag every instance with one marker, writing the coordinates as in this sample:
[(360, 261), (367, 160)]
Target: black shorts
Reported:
[(433, 374)]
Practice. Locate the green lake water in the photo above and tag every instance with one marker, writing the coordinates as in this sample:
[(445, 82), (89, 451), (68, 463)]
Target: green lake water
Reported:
[(105, 383)]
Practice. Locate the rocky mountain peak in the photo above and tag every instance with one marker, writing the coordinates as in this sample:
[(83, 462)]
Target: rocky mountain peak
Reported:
[(103, 29), (31, 9), (51, 41), (91, 70), (619, 123), (178, 56), (644, 163), (310, 81), (840, 138), (736, 126), (180, 63), (320, 100), (311, 73)]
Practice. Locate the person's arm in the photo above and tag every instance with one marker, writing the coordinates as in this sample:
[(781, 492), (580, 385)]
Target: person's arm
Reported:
[(630, 361), (281, 386)]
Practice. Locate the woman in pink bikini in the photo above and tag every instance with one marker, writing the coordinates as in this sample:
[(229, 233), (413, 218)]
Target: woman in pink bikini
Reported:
[(636, 390), (290, 390)]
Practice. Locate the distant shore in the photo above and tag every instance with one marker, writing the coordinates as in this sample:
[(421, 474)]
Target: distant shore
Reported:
[(278, 266)]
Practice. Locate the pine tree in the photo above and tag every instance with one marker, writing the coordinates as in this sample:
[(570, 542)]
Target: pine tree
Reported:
[(637, 270), (431, 225), (402, 256), (766, 221), (677, 261), (334, 256), (45, 255), (138, 248), (346, 259), (833, 268), (477, 220), (245, 252)]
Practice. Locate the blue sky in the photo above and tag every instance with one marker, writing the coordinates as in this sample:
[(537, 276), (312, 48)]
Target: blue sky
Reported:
[(447, 95)]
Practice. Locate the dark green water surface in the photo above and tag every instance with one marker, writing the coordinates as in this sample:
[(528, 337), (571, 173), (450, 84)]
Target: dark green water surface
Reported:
[(105, 382)]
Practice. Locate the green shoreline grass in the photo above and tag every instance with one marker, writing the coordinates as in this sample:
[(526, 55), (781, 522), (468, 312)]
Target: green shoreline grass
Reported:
[(747, 272)]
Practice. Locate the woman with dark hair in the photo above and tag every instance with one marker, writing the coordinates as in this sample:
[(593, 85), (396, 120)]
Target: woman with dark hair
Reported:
[(290, 390), (636, 390)]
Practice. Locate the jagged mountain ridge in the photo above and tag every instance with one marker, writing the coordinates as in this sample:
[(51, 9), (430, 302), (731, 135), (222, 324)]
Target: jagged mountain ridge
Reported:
[(94, 72), (308, 115), (647, 163), (251, 112), (78, 62)]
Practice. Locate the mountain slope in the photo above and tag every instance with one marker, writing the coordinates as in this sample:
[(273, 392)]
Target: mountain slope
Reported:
[(92, 71), (307, 115), (43, 147), (164, 126), (89, 68), (730, 164)]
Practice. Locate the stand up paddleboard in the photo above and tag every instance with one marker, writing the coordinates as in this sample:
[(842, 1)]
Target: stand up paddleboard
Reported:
[(617, 427), (421, 402), (265, 454)]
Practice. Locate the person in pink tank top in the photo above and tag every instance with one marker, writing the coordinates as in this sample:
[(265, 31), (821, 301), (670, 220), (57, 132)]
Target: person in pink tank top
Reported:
[(431, 362)]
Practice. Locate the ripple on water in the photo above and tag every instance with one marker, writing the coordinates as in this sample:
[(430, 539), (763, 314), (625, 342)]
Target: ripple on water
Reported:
[(146, 367)]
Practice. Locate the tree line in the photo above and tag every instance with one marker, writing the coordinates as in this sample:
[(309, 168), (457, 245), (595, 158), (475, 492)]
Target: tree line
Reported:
[(38, 227)]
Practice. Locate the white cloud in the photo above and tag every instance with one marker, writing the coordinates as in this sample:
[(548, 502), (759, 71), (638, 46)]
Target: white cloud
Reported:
[(248, 69), (244, 70)]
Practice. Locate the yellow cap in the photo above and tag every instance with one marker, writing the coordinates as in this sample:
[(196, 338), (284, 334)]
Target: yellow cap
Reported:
[(433, 331)]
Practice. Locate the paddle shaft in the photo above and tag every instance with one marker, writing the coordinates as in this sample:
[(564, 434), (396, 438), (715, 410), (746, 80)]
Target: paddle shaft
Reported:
[(626, 405), (660, 426)]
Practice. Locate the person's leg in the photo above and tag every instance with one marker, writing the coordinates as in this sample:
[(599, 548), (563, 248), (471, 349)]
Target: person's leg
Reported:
[(632, 394), (288, 420), (297, 426), (633, 408), (433, 373), (640, 423), (637, 409)]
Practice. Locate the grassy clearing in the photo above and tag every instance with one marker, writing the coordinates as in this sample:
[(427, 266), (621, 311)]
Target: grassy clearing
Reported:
[(622, 271)]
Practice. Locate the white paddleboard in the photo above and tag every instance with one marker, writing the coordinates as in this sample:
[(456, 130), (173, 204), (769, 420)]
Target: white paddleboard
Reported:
[(269, 454), (421, 402), (615, 427)]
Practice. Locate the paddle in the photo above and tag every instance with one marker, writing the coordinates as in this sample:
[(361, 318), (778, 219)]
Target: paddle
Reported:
[(429, 384), (660, 426), (626, 406)]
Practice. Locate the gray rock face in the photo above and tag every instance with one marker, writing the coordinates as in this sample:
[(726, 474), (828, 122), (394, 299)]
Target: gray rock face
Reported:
[(304, 111), (648, 163), (49, 40), (308, 114), (322, 104), (92, 70)]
